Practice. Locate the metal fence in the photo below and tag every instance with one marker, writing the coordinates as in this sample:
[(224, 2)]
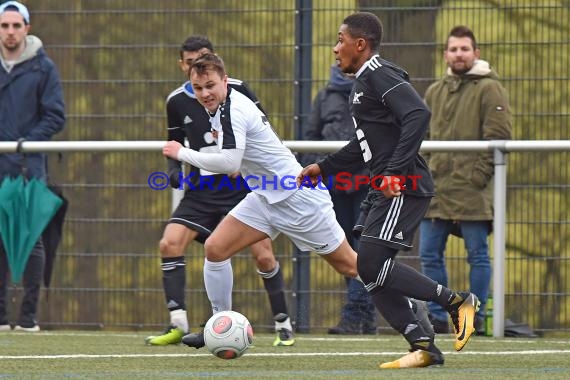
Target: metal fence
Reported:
[(117, 60)]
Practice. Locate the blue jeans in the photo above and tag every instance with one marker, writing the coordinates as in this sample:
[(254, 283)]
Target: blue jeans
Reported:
[(433, 239), (358, 308)]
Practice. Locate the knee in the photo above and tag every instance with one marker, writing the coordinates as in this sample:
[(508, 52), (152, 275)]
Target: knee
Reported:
[(265, 263), (480, 259), (215, 250), (210, 248), (374, 261), (433, 263), (262, 253), (426, 255), (169, 246)]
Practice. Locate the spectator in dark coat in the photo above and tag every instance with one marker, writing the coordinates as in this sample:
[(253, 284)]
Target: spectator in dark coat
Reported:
[(31, 108)]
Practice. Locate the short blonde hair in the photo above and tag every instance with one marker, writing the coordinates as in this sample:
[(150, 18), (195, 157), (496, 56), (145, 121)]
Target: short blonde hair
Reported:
[(208, 62)]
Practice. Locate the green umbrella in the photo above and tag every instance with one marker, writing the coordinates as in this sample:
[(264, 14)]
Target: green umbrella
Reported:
[(26, 207)]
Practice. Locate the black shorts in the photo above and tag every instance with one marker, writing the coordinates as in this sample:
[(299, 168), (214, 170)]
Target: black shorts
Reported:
[(393, 222), (202, 213)]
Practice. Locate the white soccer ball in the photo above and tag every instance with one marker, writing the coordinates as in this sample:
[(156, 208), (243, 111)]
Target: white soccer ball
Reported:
[(228, 334)]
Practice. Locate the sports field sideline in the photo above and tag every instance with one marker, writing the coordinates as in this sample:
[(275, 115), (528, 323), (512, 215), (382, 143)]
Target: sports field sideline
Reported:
[(116, 355)]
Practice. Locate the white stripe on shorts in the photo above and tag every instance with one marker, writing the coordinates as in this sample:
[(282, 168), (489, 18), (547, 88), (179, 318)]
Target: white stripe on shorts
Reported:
[(392, 218)]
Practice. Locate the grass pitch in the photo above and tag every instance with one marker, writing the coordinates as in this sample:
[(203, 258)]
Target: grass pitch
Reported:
[(111, 355)]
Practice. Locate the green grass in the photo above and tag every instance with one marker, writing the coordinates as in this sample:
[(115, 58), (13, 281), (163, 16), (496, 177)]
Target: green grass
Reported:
[(111, 355)]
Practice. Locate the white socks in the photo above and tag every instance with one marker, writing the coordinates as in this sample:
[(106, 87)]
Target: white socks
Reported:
[(285, 324), (219, 281), (179, 319)]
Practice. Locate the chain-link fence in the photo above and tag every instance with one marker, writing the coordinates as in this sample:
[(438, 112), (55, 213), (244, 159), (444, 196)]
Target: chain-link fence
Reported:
[(118, 62)]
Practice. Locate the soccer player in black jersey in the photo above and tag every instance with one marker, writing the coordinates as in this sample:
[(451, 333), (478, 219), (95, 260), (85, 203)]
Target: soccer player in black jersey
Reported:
[(391, 120), (207, 199)]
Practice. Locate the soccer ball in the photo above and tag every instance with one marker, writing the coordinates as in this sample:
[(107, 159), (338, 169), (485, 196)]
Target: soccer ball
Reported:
[(228, 334)]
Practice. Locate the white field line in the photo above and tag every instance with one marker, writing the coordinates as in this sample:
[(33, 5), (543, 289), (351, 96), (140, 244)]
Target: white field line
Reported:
[(308, 338), (291, 354)]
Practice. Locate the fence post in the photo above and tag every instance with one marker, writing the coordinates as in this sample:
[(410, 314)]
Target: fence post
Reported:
[(303, 63), (499, 225), (303, 75), (302, 290)]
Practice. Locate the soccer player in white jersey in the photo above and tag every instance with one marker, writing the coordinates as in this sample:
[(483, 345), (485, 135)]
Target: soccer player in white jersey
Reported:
[(248, 144), (206, 201), (391, 120)]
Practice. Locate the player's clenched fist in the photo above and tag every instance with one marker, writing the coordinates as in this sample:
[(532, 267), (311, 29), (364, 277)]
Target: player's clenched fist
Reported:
[(171, 148), (310, 173)]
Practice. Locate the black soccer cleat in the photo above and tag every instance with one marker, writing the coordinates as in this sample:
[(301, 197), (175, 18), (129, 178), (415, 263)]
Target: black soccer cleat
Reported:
[(195, 340)]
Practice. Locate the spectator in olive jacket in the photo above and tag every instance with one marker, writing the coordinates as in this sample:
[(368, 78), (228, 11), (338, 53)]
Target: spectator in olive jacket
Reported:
[(468, 103)]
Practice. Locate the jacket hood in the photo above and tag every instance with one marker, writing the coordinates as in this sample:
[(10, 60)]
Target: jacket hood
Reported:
[(339, 81), (33, 45), (480, 69)]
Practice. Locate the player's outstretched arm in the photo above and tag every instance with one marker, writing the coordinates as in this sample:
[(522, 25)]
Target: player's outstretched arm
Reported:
[(226, 161)]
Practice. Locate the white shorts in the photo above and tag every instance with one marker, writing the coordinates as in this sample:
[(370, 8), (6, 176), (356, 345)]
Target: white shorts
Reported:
[(306, 217)]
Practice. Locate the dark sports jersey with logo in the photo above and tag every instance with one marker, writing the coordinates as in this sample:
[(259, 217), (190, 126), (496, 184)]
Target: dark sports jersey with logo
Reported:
[(188, 119), (391, 120)]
